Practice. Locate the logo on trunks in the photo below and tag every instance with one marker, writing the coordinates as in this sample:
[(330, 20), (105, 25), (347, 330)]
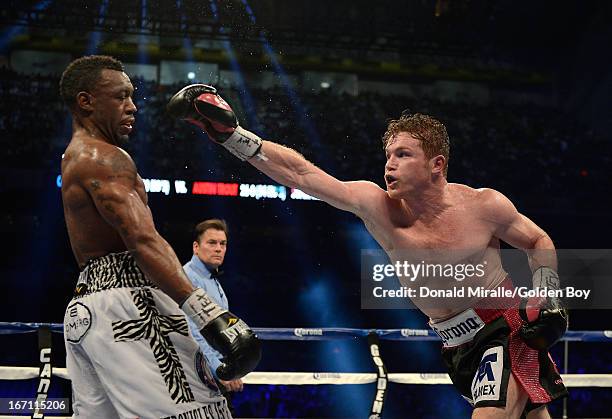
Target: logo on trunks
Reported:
[(308, 332), (212, 410), (77, 322), (204, 372), (466, 328), (487, 380)]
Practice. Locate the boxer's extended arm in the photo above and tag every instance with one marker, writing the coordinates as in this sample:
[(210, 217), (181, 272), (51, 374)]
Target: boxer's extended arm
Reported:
[(200, 105), (290, 168), (111, 183)]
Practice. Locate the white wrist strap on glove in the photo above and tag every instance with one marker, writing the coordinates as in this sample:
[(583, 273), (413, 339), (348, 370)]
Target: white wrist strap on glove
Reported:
[(243, 144), (200, 308), (545, 277)]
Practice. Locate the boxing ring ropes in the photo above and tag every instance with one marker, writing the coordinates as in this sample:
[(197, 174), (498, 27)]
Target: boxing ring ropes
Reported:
[(372, 336)]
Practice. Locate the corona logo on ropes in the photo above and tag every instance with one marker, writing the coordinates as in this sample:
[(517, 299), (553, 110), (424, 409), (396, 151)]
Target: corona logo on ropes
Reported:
[(308, 332), (414, 332), (326, 375)]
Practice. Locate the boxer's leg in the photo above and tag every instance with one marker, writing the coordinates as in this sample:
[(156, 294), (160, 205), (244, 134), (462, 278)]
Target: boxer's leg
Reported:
[(89, 397), (516, 399), (539, 413), (146, 359)]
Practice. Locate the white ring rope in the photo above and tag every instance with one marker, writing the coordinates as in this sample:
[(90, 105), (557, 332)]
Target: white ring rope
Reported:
[(329, 378), (315, 378)]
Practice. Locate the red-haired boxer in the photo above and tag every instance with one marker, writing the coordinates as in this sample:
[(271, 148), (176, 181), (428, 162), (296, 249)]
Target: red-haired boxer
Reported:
[(498, 361)]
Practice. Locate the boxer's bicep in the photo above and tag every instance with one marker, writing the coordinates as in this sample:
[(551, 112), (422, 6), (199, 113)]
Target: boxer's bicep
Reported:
[(291, 169), (510, 225), (347, 196), (111, 183), (521, 233), (122, 208)]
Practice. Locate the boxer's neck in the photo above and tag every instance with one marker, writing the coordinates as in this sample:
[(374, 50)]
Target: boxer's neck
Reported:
[(426, 204)]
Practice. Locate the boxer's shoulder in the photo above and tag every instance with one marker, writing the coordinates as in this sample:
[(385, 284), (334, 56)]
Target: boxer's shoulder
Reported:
[(360, 196), (96, 158), (478, 197), (463, 192), (494, 206), (492, 200), (366, 189)]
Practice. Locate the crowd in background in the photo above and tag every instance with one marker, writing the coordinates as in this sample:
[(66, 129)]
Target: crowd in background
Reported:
[(543, 159), (526, 150)]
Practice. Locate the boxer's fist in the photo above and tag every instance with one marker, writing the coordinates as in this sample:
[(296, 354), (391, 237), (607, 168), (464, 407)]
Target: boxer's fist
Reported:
[(200, 105), (237, 343), (545, 323), (226, 333), (545, 319)]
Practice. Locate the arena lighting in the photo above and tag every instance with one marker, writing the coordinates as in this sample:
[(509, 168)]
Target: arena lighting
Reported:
[(7, 36), (249, 11), (361, 241), (142, 39), (310, 129), (241, 190), (191, 75), (215, 188), (187, 46), (214, 9), (96, 36), (246, 99), (319, 303), (355, 402), (322, 290)]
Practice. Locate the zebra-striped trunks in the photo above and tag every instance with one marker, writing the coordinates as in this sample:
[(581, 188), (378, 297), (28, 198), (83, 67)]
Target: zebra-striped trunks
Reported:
[(129, 352)]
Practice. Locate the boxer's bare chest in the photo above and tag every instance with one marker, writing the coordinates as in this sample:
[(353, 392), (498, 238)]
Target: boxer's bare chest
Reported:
[(455, 229), (459, 225)]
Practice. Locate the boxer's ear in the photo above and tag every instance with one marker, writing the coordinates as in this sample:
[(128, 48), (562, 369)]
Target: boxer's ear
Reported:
[(84, 101), (437, 164)]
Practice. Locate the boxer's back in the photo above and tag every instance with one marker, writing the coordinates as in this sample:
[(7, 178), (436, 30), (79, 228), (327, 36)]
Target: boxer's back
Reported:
[(90, 235)]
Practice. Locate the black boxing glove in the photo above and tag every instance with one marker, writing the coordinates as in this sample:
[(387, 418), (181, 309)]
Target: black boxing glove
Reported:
[(200, 105), (545, 318), (226, 333)]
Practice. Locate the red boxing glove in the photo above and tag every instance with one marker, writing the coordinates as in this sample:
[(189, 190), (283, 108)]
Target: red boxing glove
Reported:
[(545, 319), (200, 105)]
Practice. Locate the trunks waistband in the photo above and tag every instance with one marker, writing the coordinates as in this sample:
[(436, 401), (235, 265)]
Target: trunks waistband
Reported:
[(459, 329), (462, 327), (115, 270)]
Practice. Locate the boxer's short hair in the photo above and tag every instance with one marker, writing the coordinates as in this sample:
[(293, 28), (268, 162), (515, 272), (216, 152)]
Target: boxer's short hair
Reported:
[(214, 223), (431, 132), (83, 74)]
